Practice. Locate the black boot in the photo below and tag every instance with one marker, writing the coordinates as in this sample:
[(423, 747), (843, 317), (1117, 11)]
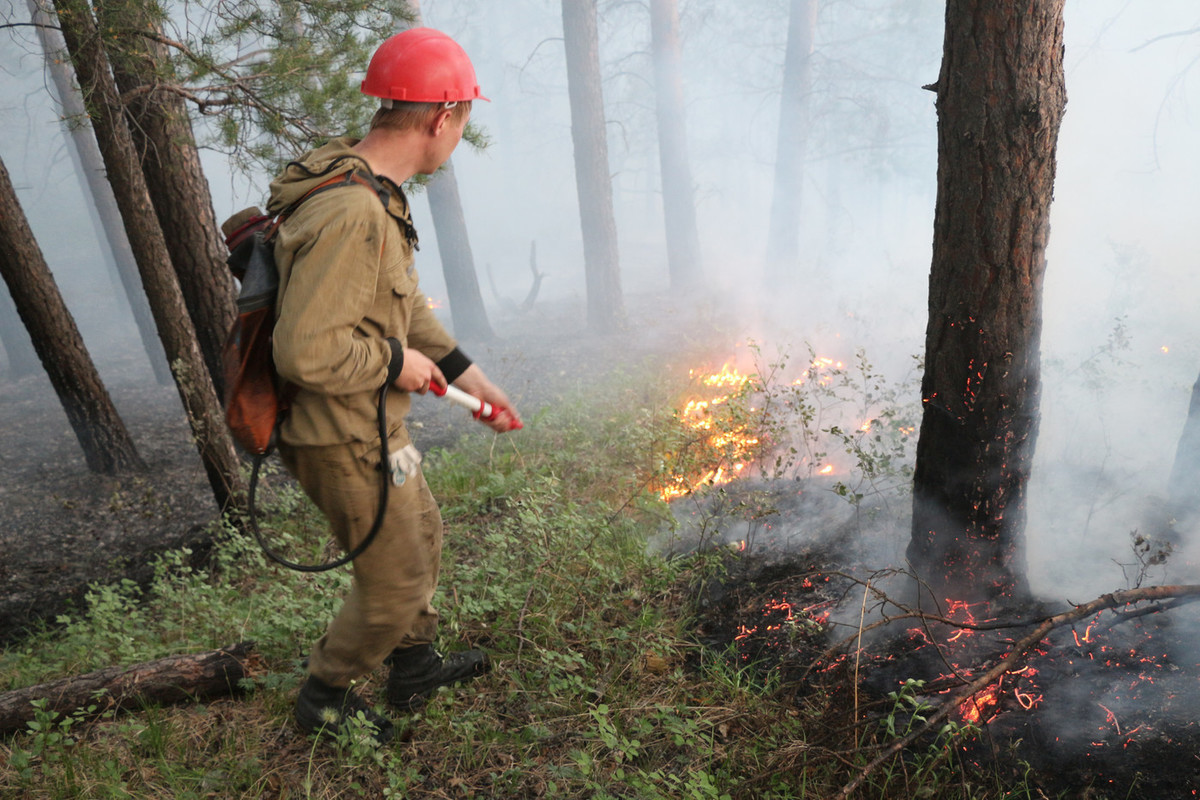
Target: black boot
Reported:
[(324, 710), (418, 671)]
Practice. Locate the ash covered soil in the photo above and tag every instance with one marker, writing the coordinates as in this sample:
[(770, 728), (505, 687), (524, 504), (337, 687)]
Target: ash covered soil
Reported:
[(65, 528)]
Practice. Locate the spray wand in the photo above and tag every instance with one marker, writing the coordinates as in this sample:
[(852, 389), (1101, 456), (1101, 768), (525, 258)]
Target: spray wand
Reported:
[(480, 409)]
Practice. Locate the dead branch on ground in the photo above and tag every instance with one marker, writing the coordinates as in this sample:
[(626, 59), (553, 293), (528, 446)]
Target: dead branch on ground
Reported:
[(174, 679)]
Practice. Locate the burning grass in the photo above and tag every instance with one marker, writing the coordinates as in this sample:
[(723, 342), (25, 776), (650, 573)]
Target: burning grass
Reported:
[(619, 673)]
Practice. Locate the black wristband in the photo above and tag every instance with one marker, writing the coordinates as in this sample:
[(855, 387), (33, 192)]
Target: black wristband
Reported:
[(453, 364), (396, 363)]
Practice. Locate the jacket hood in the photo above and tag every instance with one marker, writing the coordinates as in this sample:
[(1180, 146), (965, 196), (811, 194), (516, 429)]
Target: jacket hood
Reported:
[(311, 170)]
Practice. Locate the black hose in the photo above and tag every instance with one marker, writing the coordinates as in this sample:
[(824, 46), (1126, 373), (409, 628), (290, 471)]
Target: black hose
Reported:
[(375, 526)]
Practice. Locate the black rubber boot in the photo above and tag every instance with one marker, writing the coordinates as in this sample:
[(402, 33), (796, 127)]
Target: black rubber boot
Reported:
[(323, 709), (418, 671)]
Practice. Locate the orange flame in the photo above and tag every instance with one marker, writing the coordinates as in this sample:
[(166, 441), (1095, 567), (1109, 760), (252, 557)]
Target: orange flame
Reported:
[(696, 415)]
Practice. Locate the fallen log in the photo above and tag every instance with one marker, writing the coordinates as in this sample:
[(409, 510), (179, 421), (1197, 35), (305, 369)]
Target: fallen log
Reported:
[(174, 679)]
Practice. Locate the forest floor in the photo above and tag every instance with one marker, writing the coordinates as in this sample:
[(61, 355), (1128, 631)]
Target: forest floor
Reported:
[(66, 528)]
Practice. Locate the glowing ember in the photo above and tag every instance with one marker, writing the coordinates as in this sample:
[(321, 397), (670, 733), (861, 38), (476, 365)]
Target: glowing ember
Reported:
[(976, 709)]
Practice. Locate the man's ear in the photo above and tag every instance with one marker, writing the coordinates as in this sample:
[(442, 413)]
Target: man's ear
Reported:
[(440, 121)]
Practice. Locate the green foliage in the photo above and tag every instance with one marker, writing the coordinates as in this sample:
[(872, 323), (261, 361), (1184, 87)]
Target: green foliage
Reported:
[(599, 689), (269, 79)]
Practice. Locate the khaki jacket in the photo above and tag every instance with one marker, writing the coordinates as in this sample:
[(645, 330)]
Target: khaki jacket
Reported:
[(347, 284)]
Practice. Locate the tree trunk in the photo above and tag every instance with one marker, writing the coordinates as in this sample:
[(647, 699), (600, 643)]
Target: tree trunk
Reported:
[(166, 146), (1183, 486), (458, 265), (174, 679), (1000, 102), (602, 268), (89, 167), (679, 206), (175, 329), (783, 232), (107, 446), (22, 359)]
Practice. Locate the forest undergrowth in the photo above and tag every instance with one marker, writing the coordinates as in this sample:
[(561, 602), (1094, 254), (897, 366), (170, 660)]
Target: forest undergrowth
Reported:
[(601, 687)]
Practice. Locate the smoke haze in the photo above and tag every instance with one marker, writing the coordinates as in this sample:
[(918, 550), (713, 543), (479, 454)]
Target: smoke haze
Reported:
[(1120, 346)]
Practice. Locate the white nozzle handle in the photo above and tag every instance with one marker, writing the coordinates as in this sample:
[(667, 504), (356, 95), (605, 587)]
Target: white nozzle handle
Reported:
[(481, 409)]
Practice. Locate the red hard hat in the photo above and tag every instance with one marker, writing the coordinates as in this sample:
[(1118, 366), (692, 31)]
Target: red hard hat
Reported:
[(421, 65)]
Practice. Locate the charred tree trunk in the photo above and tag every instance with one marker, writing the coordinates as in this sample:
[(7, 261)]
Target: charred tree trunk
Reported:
[(783, 232), (458, 264), (90, 167), (22, 359), (175, 329), (107, 446), (174, 679), (166, 146), (679, 205), (1000, 100), (1183, 486), (593, 184)]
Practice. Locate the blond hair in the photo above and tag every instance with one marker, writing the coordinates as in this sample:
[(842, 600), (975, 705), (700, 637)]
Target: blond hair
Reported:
[(400, 115)]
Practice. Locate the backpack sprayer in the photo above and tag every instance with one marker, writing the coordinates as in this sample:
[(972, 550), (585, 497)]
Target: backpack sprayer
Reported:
[(257, 400)]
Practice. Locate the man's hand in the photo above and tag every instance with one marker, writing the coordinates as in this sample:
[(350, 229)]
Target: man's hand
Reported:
[(418, 372), (474, 382)]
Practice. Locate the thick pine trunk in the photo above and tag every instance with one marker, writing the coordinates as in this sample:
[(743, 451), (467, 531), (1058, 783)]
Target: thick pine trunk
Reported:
[(90, 166), (166, 146), (593, 183), (107, 446), (783, 231), (174, 679), (679, 206), (1000, 100), (1183, 486), (212, 439)]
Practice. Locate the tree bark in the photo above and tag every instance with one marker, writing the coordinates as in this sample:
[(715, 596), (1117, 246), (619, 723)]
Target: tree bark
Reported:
[(166, 146), (795, 123), (174, 679), (602, 268), (684, 261), (212, 439), (467, 311), (89, 167), (107, 446), (458, 264), (1001, 97), (22, 359), (1183, 485)]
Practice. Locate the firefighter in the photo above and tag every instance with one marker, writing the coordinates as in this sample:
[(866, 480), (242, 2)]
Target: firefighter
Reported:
[(351, 317)]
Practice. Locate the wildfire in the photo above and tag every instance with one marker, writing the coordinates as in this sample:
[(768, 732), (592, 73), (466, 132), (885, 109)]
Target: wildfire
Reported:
[(733, 444)]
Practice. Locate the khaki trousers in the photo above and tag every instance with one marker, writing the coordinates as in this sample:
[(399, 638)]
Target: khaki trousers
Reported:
[(389, 604)]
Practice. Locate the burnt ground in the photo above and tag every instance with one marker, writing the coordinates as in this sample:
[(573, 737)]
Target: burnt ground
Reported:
[(1104, 708), (1113, 717), (64, 527)]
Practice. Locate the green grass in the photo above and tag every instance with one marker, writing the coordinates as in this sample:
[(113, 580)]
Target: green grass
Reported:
[(599, 689)]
